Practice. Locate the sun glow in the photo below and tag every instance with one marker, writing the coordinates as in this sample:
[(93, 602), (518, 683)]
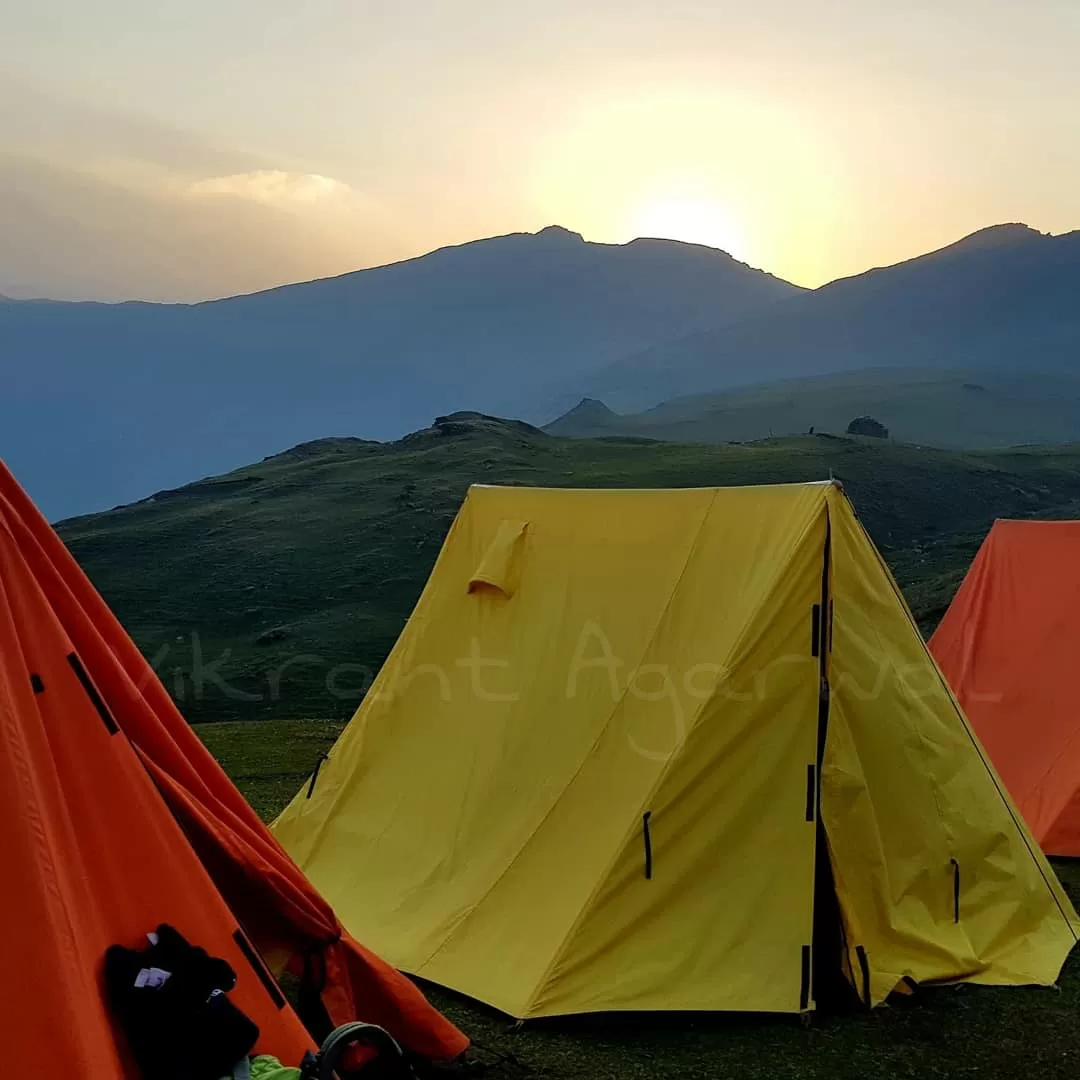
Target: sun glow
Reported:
[(689, 216), (745, 175)]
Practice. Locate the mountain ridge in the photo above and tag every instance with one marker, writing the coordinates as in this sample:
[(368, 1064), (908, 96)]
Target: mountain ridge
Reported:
[(124, 399), (106, 402), (1004, 296)]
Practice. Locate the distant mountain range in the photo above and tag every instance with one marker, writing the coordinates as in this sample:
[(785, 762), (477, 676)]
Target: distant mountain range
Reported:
[(1007, 296), (959, 410), (103, 404)]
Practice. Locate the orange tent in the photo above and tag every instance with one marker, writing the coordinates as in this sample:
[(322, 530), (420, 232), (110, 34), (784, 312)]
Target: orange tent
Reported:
[(114, 818), (1007, 646)]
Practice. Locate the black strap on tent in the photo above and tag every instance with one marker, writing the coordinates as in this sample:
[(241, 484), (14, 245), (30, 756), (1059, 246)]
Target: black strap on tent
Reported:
[(648, 843), (92, 693), (315, 775), (815, 630), (36, 683), (956, 890), (864, 967), (823, 633), (260, 969), (811, 792), (804, 988)]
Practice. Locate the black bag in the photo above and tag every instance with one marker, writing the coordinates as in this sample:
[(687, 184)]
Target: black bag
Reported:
[(183, 1027)]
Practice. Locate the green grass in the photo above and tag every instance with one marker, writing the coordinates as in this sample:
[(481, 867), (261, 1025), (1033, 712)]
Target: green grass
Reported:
[(271, 761), (277, 591), (966, 1031)]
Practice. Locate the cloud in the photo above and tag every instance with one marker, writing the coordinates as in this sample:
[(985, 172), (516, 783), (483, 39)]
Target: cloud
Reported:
[(273, 187), (105, 205), (75, 234)]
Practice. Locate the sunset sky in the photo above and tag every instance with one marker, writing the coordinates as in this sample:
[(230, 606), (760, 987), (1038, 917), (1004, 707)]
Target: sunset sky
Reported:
[(180, 149)]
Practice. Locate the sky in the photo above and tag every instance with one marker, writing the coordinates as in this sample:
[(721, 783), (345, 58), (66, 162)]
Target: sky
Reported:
[(184, 149)]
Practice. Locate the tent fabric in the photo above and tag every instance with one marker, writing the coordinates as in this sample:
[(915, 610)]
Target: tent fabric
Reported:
[(500, 567), (92, 855), (1007, 645), (211, 846), (602, 792)]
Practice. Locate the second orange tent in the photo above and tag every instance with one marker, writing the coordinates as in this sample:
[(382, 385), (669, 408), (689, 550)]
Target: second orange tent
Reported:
[(1009, 646)]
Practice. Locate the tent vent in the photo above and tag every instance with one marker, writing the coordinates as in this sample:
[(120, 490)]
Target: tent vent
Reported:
[(956, 890), (648, 843), (811, 786), (804, 989), (92, 693), (864, 967), (315, 775), (815, 631), (260, 969), (36, 683), (500, 569)]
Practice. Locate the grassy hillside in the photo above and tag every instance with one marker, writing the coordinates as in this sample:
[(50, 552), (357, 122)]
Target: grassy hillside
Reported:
[(277, 590), (961, 410)]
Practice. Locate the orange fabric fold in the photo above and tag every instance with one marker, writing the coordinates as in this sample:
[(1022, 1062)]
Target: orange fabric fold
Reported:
[(265, 890)]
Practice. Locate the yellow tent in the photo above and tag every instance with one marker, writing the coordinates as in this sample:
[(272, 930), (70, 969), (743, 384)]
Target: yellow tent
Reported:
[(600, 767)]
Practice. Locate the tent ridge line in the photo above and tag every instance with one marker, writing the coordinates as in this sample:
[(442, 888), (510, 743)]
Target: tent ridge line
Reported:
[(715, 488)]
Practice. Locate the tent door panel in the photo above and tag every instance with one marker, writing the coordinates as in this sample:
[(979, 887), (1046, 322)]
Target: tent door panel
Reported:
[(831, 989)]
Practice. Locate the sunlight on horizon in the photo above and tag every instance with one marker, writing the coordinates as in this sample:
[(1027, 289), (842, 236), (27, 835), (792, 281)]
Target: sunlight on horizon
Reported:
[(690, 216), (751, 177)]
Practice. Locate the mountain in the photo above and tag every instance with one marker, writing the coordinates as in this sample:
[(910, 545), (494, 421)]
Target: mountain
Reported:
[(1004, 297), (963, 410), (278, 589), (591, 418), (103, 403)]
